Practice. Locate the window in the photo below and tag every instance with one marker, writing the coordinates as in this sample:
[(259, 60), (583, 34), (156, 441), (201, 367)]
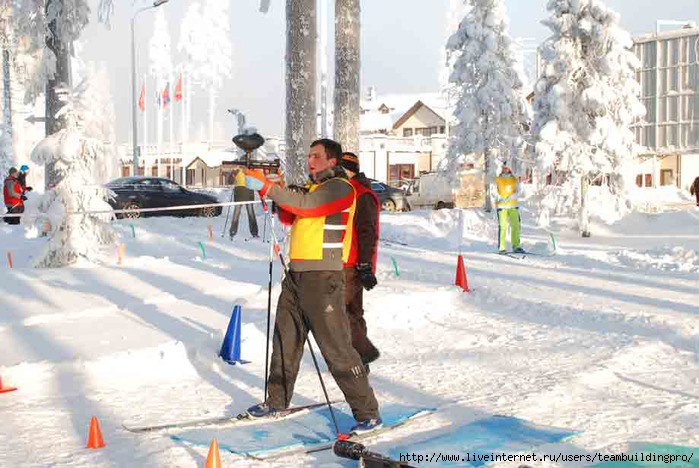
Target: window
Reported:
[(649, 180), (442, 129), (399, 172), (125, 171), (639, 180), (407, 132), (150, 185), (141, 171), (190, 177), (666, 177), (377, 187), (154, 171), (170, 186)]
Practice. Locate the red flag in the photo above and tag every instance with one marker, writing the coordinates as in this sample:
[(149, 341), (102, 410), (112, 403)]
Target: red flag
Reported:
[(142, 98), (166, 95), (178, 89)]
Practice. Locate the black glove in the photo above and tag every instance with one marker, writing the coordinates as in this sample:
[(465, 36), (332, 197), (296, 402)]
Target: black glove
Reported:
[(366, 276), (23, 197), (29, 189)]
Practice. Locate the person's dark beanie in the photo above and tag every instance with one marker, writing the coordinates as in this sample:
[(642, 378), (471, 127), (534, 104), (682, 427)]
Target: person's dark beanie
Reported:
[(350, 161), (13, 170)]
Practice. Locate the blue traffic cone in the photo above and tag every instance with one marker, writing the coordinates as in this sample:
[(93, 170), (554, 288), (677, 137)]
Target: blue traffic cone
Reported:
[(230, 349)]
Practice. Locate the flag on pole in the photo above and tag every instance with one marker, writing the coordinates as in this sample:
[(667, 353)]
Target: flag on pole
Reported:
[(166, 95), (158, 101), (142, 98), (178, 89)]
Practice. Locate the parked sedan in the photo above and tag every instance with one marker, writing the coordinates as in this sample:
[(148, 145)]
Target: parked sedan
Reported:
[(136, 193), (391, 198)]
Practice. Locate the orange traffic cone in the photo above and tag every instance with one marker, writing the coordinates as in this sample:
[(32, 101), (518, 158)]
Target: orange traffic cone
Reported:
[(94, 438), (6, 389), (461, 279), (213, 460)]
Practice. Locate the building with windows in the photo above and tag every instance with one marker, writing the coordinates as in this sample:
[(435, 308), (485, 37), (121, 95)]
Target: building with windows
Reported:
[(669, 133), (402, 135)]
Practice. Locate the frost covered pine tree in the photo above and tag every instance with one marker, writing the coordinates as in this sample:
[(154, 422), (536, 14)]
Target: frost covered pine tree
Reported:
[(82, 158), (490, 110), (300, 85), (347, 61), (585, 101)]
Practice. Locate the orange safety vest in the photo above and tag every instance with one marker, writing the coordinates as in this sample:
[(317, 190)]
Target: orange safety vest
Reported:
[(354, 250), (311, 237), (10, 198)]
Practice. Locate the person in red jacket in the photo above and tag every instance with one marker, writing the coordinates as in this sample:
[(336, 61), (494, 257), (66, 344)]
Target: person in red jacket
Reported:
[(12, 194), (360, 267)]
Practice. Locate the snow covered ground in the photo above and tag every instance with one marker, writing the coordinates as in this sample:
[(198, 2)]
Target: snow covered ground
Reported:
[(602, 338)]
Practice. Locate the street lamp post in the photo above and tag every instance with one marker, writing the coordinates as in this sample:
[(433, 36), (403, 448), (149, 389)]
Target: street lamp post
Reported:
[(134, 102)]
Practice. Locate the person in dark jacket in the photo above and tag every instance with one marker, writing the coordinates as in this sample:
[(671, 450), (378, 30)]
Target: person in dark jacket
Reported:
[(694, 189), (242, 194), (22, 178), (13, 196), (313, 291), (360, 268)]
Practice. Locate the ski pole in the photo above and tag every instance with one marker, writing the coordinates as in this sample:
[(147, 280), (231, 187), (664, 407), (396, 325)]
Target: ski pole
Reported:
[(269, 293), (294, 288)]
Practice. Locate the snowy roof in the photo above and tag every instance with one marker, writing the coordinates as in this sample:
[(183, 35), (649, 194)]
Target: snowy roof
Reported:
[(374, 119), (213, 158)]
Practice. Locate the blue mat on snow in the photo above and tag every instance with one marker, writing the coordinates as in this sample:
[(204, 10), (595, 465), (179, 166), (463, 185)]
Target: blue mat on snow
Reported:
[(310, 429), (472, 441)]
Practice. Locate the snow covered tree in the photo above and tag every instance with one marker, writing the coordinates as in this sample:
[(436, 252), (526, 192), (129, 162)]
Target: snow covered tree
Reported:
[(40, 41), (301, 32), (206, 40), (585, 102), (347, 71), (490, 109), (82, 159)]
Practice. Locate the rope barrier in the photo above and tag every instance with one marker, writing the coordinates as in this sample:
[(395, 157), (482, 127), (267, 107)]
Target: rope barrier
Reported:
[(143, 210)]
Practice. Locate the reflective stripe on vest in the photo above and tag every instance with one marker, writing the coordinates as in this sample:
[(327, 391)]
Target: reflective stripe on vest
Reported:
[(311, 236)]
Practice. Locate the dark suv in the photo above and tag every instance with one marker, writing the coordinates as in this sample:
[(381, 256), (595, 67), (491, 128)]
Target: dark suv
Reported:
[(135, 193), (391, 198)]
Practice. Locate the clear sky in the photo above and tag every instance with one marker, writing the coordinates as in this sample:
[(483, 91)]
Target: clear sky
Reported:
[(401, 47)]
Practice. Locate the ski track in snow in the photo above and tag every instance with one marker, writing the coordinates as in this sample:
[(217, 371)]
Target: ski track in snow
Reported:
[(601, 338)]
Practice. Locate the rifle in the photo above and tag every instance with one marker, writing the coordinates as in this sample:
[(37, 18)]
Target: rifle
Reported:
[(249, 142)]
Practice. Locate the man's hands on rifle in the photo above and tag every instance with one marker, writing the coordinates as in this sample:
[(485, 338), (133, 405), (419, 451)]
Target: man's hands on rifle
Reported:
[(255, 179), (366, 276)]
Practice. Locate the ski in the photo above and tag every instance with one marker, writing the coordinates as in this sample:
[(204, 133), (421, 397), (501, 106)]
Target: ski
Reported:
[(220, 420), (329, 445)]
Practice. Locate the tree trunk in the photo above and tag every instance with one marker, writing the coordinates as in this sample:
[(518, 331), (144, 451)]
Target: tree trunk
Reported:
[(61, 80), (487, 156), (347, 63), (584, 208), (7, 137), (300, 85)]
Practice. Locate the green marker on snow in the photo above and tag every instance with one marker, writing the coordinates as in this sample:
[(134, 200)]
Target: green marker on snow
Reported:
[(133, 230), (395, 267), (203, 250), (553, 241)]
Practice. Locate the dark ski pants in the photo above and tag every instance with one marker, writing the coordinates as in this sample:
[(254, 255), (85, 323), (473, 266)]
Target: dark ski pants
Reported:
[(252, 220), (314, 300), (354, 304), (14, 210)]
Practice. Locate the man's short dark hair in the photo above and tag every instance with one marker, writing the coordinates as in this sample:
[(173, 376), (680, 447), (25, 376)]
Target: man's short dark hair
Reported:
[(332, 148)]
